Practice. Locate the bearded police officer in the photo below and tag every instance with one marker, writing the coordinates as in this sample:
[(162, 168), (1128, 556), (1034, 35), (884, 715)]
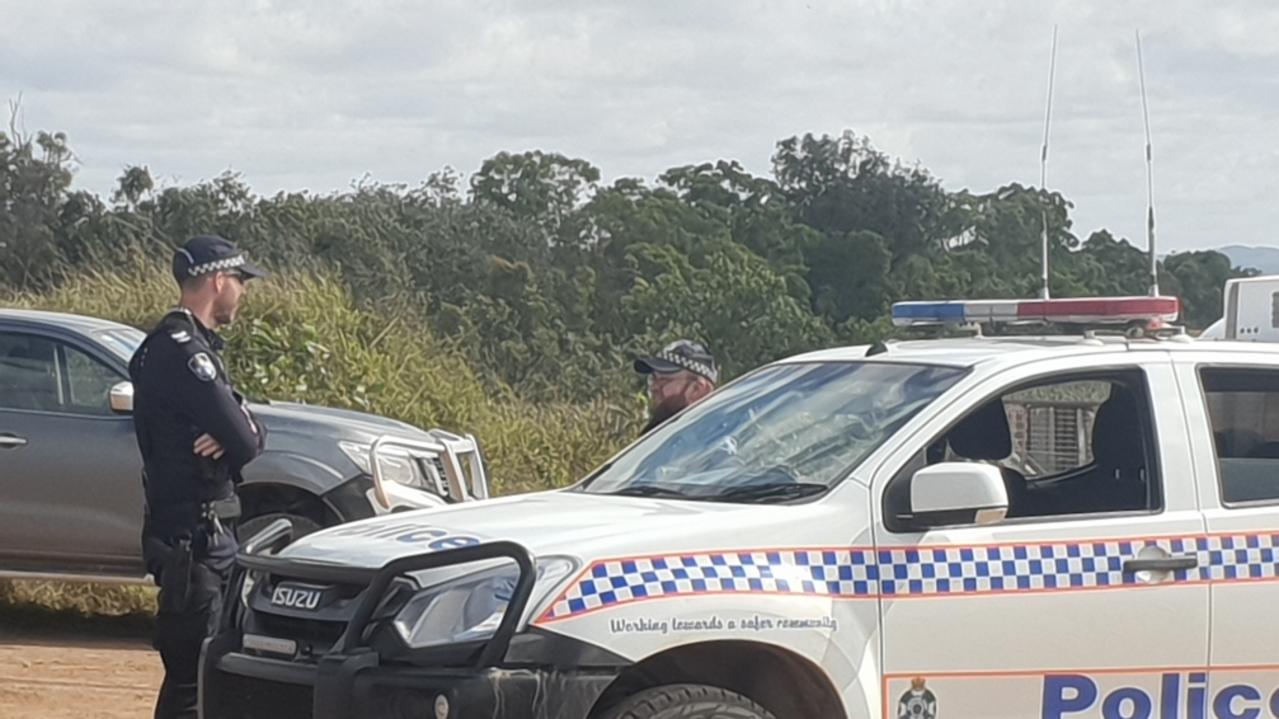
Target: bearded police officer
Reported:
[(195, 433), (679, 375)]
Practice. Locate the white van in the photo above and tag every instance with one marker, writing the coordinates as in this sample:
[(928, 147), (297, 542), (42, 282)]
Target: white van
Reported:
[(1251, 311), (984, 528)]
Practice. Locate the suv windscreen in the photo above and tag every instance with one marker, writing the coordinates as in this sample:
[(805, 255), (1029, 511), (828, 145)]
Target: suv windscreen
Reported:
[(122, 342), (781, 432)]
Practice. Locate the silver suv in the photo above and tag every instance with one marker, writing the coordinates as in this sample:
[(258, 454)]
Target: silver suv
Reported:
[(70, 472)]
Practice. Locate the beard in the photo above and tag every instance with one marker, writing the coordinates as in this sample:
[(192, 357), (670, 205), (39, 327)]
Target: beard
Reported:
[(224, 314), (668, 408)]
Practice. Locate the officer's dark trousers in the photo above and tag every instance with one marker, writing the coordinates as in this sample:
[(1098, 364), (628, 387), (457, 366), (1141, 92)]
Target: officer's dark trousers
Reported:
[(181, 627)]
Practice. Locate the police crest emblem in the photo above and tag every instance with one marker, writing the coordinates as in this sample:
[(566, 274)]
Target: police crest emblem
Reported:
[(201, 365), (918, 702)]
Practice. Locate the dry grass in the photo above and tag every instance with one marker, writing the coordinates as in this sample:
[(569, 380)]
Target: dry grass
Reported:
[(39, 602)]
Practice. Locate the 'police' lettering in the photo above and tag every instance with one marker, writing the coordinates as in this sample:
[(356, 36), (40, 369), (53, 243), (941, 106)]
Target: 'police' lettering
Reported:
[(1138, 704), (454, 542), (1169, 696), (421, 535), (1067, 694), (1197, 696), (1224, 705), (1076, 696), (434, 538)]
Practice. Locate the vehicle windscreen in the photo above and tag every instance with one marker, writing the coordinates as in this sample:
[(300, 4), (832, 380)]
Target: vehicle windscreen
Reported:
[(121, 342), (782, 432)]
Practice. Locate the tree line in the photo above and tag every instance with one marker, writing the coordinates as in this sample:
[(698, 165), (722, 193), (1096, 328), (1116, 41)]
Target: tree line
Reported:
[(549, 280)]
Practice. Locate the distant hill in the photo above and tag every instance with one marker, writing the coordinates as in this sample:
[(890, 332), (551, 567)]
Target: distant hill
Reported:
[(1265, 259)]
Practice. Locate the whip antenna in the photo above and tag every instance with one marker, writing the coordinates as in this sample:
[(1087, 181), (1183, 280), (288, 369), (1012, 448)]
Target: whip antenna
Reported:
[(1150, 176), (1043, 167)]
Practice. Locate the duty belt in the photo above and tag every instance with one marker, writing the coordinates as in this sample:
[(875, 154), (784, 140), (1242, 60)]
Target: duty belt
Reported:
[(216, 510)]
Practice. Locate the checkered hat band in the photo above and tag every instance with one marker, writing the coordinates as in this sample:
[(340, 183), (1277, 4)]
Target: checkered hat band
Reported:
[(691, 365), (226, 263), (909, 572)]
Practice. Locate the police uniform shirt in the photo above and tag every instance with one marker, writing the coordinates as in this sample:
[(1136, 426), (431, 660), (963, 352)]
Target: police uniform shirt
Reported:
[(181, 391)]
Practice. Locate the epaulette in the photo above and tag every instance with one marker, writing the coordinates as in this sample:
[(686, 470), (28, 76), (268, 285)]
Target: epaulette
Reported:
[(181, 335)]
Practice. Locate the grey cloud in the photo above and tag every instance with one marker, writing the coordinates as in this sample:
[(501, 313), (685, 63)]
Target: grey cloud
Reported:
[(314, 96)]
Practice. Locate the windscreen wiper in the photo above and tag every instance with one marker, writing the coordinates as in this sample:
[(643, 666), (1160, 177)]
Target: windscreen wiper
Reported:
[(770, 491), (649, 490)]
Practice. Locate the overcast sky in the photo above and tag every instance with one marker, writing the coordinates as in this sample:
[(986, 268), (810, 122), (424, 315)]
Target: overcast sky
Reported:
[(315, 95)]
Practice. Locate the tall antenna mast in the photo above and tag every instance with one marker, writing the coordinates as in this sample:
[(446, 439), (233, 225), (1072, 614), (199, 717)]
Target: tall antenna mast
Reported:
[(1043, 167), (1150, 177)]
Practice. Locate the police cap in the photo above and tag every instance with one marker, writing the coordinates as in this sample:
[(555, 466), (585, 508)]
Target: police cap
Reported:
[(681, 355), (204, 254)]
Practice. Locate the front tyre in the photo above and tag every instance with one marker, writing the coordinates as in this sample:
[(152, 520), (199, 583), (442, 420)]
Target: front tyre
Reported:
[(687, 701)]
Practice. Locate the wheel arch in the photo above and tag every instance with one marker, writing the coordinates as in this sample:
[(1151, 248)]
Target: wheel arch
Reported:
[(780, 680)]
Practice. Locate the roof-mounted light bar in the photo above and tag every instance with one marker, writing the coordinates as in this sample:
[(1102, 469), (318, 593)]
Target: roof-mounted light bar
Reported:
[(1079, 310)]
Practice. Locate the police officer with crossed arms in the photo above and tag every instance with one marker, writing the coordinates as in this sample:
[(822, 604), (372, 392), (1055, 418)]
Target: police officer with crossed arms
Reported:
[(195, 433)]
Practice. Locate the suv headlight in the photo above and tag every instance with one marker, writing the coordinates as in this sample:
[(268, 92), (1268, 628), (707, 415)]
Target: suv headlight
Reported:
[(470, 608), (397, 465)]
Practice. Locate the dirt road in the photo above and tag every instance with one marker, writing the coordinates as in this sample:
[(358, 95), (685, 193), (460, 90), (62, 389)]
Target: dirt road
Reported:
[(52, 673)]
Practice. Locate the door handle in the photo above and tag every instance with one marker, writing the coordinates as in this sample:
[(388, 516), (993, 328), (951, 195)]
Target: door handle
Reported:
[(1161, 564), (12, 441)]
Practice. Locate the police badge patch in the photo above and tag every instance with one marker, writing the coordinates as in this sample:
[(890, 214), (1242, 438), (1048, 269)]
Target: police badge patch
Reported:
[(918, 703), (201, 365)]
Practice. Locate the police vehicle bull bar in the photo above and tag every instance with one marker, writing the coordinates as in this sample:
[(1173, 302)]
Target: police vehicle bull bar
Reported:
[(460, 460), (333, 675)]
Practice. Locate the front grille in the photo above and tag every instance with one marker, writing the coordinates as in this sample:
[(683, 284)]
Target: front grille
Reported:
[(249, 698), (318, 631), (313, 637)]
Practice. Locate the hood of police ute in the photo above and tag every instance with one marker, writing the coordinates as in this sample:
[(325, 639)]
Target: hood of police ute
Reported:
[(587, 527)]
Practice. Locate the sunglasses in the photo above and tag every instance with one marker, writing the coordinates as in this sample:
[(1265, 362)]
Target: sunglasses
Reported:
[(656, 379)]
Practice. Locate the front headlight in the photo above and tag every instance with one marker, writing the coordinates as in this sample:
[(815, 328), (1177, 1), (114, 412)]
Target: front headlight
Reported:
[(246, 591), (470, 608), (397, 465)]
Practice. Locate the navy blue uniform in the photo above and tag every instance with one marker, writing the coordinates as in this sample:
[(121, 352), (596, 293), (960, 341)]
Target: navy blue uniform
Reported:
[(181, 391)]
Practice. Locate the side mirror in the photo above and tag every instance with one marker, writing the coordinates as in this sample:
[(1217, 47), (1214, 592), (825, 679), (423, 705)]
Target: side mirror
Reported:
[(956, 493), (121, 396)]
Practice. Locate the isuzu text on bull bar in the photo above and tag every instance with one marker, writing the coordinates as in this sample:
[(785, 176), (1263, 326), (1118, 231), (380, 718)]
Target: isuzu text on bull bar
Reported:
[(997, 525)]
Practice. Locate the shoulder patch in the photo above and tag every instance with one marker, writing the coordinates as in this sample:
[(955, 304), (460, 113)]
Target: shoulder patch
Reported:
[(201, 365), (180, 336)]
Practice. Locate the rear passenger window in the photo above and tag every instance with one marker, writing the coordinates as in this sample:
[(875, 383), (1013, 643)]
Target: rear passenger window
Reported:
[(43, 375), (29, 373), (1243, 406)]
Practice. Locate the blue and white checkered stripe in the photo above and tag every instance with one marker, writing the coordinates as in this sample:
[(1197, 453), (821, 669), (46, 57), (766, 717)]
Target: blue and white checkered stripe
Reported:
[(1237, 557), (909, 571), (790, 571)]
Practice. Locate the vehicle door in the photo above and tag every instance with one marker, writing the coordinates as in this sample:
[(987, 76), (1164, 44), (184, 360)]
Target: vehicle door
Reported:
[(1233, 414), (70, 488), (1073, 605)]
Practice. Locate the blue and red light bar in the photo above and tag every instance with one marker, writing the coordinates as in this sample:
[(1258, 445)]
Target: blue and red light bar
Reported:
[(1072, 310)]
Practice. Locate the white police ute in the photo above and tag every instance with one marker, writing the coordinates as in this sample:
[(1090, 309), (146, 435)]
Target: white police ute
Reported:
[(981, 527)]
